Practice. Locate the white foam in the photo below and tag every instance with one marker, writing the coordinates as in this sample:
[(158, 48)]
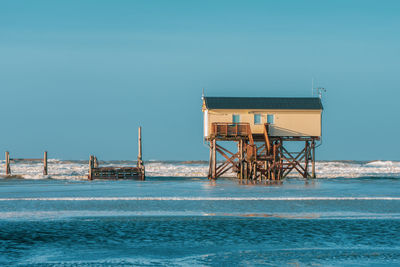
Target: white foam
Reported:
[(79, 170), (197, 198)]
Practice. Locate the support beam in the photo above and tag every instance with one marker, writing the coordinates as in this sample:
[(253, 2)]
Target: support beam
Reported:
[(257, 162), (210, 161), (241, 160), (306, 152), (313, 158), (214, 161)]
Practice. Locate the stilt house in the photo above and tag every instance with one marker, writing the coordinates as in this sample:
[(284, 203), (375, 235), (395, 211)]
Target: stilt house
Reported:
[(267, 120)]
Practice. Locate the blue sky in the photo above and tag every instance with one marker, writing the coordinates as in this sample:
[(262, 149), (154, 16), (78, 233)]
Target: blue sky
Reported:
[(79, 77)]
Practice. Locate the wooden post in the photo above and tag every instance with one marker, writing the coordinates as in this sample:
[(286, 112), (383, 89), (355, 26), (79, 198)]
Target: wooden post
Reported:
[(8, 169), (139, 160), (210, 162), (313, 158), (266, 168), (90, 167), (95, 162), (214, 166), (280, 158), (306, 152), (241, 159), (255, 170), (45, 163), (274, 162)]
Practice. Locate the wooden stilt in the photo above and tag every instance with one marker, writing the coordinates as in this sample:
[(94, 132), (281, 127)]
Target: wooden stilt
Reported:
[(280, 159), (214, 156), (241, 167), (265, 168), (8, 169), (255, 170), (270, 160), (245, 169), (306, 152), (273, 174), (45, 163), (313, 158), (210, 161)]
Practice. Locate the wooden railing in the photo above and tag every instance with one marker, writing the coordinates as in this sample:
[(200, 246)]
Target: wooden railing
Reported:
[(224, 129)]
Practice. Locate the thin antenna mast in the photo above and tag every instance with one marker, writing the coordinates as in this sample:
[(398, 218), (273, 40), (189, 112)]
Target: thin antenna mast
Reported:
[(312, 86), (317, 90)]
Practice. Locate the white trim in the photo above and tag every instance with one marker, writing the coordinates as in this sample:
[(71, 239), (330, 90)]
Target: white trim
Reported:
[(205, 126)]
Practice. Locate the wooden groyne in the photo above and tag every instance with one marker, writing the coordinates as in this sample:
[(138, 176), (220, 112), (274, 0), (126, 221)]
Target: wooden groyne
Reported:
[(118, 172), (10, 160)]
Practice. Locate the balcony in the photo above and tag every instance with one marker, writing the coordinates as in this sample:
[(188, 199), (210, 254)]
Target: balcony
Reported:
[(230, 130)]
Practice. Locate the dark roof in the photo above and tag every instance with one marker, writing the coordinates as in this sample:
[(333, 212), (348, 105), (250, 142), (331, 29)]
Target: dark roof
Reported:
[(263, 103)]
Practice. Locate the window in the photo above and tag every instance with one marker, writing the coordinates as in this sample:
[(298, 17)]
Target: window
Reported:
[(257, 118), (270, 119), (235, 118)]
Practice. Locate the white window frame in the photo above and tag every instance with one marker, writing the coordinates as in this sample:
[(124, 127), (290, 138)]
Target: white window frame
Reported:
[(233, 115), (254, 118), (273, 118)]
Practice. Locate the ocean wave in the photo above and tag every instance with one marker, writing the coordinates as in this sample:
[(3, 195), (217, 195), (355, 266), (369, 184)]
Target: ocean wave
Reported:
[(78, 169)]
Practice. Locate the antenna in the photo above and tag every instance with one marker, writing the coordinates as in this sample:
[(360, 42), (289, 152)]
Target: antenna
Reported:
[(312, 86), (318, 90)]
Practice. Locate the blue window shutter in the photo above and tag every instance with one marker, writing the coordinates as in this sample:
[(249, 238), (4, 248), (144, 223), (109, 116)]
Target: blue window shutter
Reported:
[(235, 118)]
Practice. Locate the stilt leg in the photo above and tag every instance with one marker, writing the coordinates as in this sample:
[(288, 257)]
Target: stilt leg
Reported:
[(306, 151), (313, 158), (214, 165), (210, 162)]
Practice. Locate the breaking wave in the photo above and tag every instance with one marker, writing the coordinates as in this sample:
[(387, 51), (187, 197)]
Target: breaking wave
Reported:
[(78, 169)]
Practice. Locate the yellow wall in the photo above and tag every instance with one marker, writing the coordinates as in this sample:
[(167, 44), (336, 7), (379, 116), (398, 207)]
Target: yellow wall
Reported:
[(287, 122)]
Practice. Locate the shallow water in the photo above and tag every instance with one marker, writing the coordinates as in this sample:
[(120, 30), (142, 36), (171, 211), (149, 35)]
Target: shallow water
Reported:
[(192, 221)]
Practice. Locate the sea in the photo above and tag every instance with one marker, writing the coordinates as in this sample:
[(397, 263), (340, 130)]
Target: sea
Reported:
[(348, 216)]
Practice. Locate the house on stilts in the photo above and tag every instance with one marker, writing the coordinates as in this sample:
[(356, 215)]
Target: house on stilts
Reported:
[(263, 128)]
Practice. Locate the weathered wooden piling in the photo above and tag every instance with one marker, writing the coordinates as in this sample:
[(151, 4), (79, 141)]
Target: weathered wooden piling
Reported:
[(45, 163), (214, 164), (8, 169), (139, 159), (140, 164), (313, 159), (9, 160), (91, 161), (95, 162)]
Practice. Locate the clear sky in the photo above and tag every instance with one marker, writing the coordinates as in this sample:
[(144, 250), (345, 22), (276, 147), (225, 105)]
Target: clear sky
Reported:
[(79, 77)]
